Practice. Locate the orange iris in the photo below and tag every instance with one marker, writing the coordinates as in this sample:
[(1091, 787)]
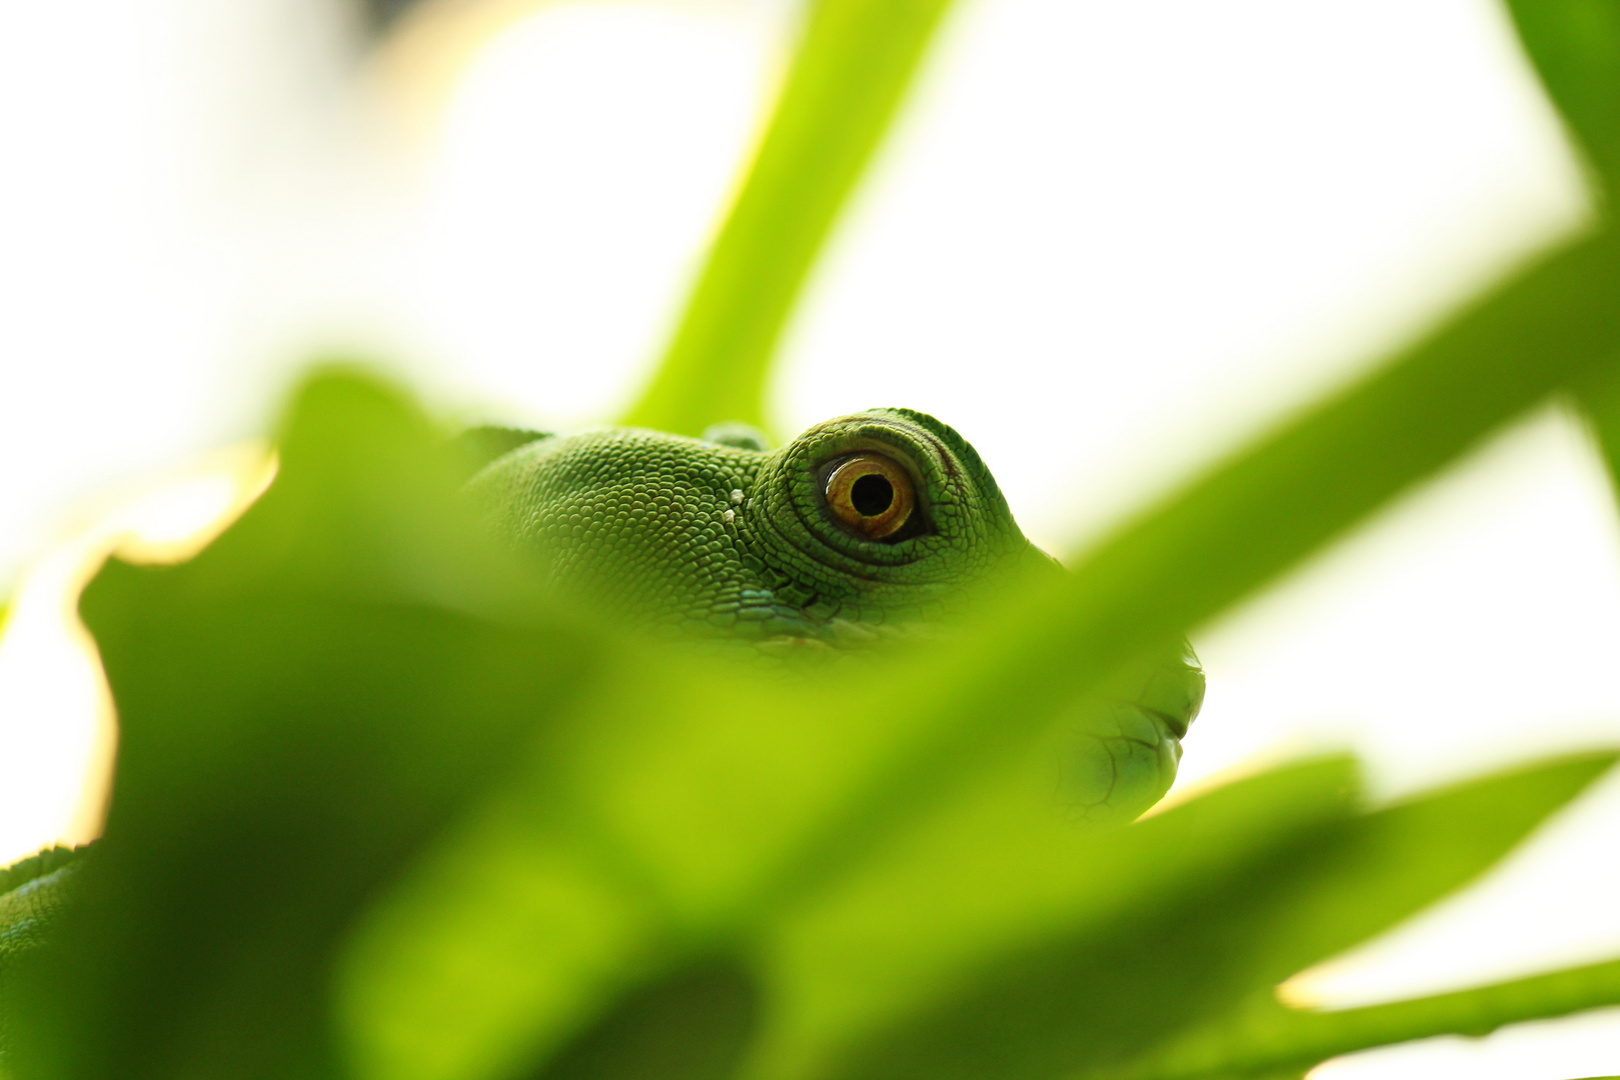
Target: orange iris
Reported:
[(871, 494)]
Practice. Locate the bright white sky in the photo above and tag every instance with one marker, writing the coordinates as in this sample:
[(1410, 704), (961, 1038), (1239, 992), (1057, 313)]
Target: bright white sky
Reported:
[(1108, 241)]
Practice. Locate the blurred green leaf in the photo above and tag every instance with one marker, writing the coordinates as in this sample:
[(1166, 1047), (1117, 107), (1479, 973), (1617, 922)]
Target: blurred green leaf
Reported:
[(1000, 868), (623, 853), (358, 748), (1241, 526), (1392, 864), (471, 1013), (989, 690), (1227, 535), (661, 825), (1165, 924), (852, 67), (995, 939), (1274, 1038), (530, 919), (1597, 397), (333, 590), (1398, 860), (730, 807), (694, 1025), (1575, 47), (302, 706)]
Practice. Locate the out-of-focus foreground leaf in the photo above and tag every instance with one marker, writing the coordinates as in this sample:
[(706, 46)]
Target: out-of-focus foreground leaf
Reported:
[(300, 707), (730, 812), (379, 15), (1394, 862), (350, 696), (1575, 47), (978, 937), (480, 928), (1268, 1038), (856, 950), (1248, 521), (849, 73), (1220, 912), (1230, 533), (1216, 542), (1242, 525), (766, 815), (309, 703)]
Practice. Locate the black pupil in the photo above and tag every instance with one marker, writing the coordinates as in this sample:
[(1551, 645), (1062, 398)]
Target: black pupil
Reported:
[(871, 495)]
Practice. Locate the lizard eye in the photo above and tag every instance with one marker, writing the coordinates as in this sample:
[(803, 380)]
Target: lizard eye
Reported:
[(871, 494)]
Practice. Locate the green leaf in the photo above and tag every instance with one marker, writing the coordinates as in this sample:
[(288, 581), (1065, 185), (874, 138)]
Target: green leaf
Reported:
[(995, 686), (1392, 864), (851, 70), (731, 805), (352, 697), (303, 706), (997, 940), (694, 1025), (1597, 397), (1248, 522), (522, 927), (1275, 1038), (713, 818), (1156, 930), (1575, 46), (1400, 859)]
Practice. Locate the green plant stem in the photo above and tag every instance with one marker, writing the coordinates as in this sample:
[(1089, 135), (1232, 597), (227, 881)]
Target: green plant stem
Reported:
[(853, 67), (1296, 1040), (1575, 47), (1217, 542)]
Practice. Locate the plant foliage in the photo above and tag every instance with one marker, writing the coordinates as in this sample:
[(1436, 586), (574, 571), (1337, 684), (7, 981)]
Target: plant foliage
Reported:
[(384, 810)]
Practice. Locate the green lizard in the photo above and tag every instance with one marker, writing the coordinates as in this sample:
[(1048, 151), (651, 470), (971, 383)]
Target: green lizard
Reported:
[(866, 527), (864, 523), (877, 525)]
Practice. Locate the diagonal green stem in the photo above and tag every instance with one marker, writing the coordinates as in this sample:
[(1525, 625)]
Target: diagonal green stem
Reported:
[(1297, 1040), (853, 67), (1240, 527), (1575, 47)]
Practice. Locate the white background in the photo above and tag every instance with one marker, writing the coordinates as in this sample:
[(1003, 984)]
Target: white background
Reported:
[(1107, 242)]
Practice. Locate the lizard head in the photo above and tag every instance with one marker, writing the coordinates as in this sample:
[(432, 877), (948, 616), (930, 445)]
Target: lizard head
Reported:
[(863, 524)]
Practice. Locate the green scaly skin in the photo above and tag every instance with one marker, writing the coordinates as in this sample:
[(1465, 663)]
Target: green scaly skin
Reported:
[(729, 541), (33, 893), (723, 540)]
